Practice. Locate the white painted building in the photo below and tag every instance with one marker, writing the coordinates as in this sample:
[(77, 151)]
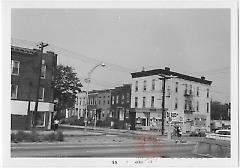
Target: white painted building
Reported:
[(187, 99), (80, 104)]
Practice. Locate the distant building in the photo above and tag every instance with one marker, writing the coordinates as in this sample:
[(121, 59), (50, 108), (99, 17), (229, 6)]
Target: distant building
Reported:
[(187, 99), (103, 104), (92, 106), (120, 102), (80, 104), (25, 69)]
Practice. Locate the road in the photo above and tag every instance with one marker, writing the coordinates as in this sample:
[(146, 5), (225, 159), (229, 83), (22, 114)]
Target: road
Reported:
[(75, 149)]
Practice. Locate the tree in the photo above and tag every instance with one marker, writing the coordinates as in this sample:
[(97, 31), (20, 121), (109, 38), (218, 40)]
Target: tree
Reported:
[(66, 87), (219, 111)]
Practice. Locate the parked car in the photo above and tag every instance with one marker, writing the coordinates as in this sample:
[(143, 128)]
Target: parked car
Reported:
[(223, 132), (198, 132)]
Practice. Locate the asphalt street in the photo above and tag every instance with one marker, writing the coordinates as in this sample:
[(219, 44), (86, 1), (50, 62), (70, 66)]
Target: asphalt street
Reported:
[(162, 149)]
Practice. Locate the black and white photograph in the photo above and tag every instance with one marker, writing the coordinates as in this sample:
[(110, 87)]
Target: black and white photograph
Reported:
[(105, 85)]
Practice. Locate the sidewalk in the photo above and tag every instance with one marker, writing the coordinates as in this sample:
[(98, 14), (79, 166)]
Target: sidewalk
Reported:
[(110, 131)]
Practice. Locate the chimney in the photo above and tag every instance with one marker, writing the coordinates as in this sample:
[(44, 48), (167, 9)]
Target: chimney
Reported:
[(202, 77), (143, 69), (167, 69)]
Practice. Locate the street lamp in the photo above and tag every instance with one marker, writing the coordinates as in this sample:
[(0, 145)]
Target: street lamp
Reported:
[(88, 80)]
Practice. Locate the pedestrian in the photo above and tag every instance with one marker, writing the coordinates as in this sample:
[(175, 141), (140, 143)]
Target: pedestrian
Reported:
[(179, 133), (56, 122)]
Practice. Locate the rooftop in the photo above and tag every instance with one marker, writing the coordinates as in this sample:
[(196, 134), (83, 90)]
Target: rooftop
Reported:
[(167, 71), (23, 50)]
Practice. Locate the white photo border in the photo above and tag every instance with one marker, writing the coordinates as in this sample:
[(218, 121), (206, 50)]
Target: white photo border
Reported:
[(121, 162)]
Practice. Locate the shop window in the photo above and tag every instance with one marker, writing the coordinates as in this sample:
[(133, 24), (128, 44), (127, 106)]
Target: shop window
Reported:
[(40, 119)]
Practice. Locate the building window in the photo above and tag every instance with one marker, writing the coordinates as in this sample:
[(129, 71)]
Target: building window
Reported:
[(207, 93), (103, 102), (144, 85), (207, 107), (43, 70), (76, 100), (176, 104), (123, 97), (80, 101), (40, 119), (185, 89), (153, 84), (197, 91), (136, 102), (144, 102), (128, 97), (136, 86), (185, 106), (99, 102), (152, 101), (197, 106), (41, 93), (14, 91), (108, 101), (117, 99), (15, 65), (168, 91), (190, 90), (113, 100), (176, 88)]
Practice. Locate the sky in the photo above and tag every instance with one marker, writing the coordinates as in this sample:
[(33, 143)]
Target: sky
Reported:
[(194, 42)]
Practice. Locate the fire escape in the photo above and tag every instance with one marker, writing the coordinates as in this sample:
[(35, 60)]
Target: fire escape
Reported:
[(189, 108)]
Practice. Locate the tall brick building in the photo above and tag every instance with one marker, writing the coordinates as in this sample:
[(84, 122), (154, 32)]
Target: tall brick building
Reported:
[(25, 69)]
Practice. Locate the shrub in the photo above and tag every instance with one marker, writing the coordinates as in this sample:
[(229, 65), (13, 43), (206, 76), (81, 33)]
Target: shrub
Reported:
[(21, 136), (49, 137), (34, 136), (13, 137), (59, 136)]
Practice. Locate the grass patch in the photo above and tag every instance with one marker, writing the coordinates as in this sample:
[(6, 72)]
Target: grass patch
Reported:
[(33, 136)]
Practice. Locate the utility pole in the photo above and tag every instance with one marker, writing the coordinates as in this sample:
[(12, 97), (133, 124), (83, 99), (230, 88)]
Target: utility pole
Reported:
[(41, 46), (163, 103)]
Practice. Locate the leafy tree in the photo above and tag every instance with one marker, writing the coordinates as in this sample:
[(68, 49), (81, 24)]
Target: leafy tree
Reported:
[(66, 87), (219, 111)]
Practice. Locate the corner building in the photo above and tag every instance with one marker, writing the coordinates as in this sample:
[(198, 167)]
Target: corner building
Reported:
[(187, 100), (25, 69)]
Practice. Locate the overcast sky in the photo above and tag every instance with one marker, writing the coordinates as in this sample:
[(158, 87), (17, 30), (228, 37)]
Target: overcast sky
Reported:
[(191, 41)]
